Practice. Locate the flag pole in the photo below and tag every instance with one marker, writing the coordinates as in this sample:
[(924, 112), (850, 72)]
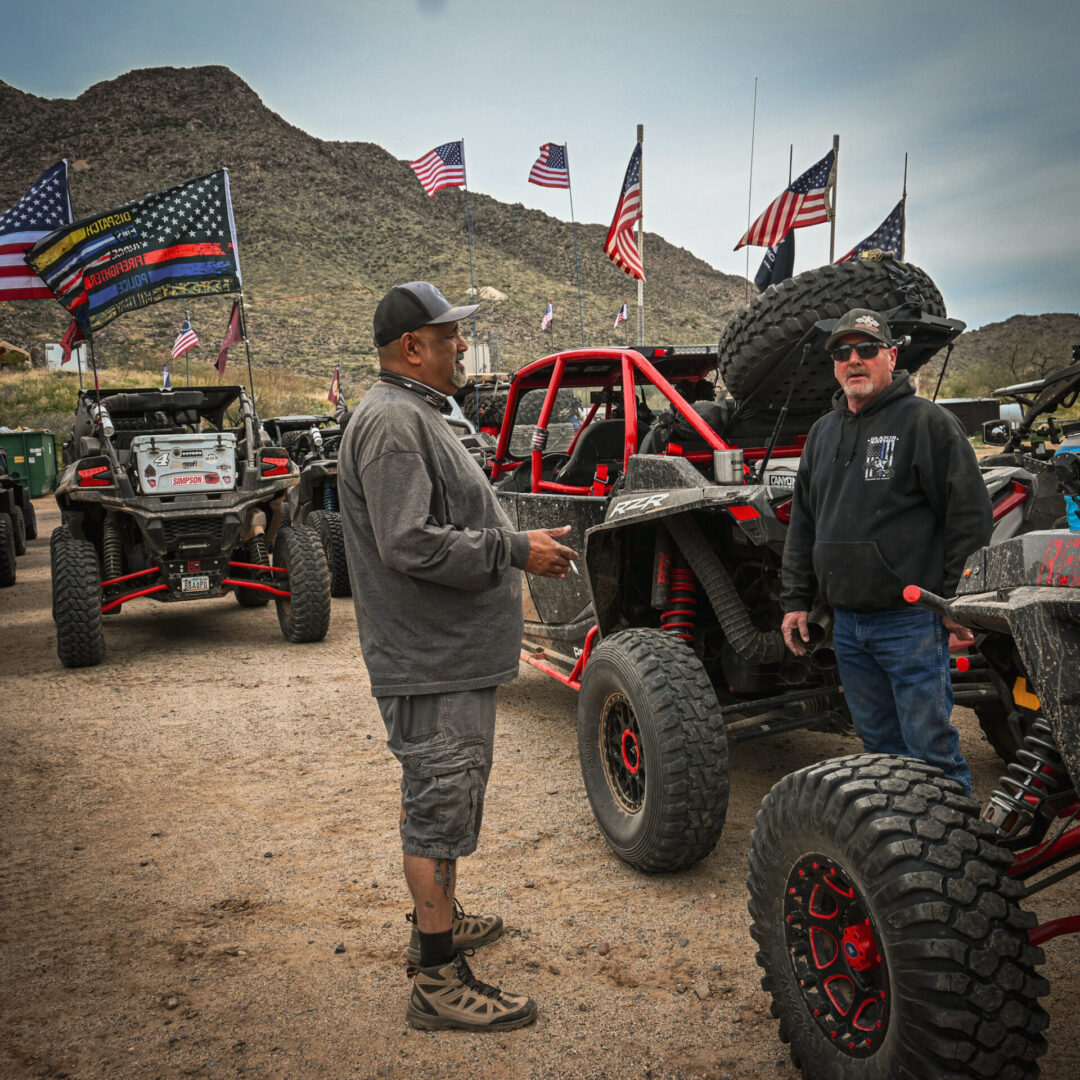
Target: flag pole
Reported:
[(832, 215), (573, 227), (472, 277), (903, 212), (750, 189), (641, 239), (187, 355), (247, 347)]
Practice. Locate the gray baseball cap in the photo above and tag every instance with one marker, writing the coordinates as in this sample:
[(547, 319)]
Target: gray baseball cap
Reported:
[(860, 321), (408, 307)]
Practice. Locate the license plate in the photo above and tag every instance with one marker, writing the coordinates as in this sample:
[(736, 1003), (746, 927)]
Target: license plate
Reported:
[(195, 583)]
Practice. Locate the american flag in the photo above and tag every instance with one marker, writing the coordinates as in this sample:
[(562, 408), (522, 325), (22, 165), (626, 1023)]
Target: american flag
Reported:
[(335, 387), (619, 245), (548, 316), (44, 208), (888, 236), (551, 168), (185, 340), (802, 203), (621, 316), (440, 168)]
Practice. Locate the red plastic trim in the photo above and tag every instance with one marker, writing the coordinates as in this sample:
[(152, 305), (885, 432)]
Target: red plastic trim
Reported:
[(743, 513), (132, 596), (1010, 502)]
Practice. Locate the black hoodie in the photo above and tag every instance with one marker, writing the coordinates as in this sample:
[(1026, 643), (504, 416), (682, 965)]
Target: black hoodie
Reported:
[(885, 497)]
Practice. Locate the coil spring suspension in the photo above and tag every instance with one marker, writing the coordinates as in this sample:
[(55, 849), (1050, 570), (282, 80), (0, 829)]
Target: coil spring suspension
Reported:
[(680, 617), (112, 550), (1029, 781), (329, 497)]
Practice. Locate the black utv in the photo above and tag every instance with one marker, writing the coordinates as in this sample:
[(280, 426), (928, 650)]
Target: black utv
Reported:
[(312, 443), (177, 495), (18, 522)]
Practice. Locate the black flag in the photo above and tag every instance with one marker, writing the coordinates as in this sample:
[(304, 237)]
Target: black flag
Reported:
[(778, 263)]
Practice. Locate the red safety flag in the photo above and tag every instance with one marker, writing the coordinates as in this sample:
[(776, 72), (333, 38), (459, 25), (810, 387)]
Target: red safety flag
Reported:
[(72, 336), (233, 336)]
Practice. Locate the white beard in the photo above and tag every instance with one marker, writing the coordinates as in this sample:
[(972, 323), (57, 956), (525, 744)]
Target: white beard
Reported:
[(460, 377)]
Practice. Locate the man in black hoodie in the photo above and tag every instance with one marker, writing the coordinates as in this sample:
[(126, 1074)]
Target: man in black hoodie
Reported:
[(888, 494)]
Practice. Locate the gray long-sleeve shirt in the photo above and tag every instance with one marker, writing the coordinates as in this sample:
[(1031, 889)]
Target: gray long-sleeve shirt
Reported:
[(433, 560)]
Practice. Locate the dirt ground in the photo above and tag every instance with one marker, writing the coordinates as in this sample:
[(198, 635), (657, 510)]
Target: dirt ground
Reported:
[(199, 874)]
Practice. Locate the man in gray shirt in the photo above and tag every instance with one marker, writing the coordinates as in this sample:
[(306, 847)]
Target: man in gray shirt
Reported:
[(435, 570)]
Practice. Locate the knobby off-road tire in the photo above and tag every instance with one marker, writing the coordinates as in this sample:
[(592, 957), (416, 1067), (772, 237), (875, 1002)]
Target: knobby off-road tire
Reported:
[(30, 514), (653, 750), (18, 525), (254, 551), (762, 334), (7, 551), (492, 406), (327, 523), (305, 616), (76, 600), (890, 934)]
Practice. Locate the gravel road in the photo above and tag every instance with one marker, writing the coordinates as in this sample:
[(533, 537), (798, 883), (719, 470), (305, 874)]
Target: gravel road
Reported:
[(200, 874)]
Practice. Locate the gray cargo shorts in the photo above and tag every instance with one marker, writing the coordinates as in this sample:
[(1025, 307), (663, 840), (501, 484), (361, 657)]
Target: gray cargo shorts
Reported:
[(444, 743)]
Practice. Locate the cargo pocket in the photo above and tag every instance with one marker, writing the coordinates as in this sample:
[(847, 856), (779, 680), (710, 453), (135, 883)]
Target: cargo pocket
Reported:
[(445, 783), (854, 575)]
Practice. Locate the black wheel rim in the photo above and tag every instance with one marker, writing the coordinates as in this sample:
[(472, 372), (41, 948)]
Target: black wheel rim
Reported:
[(836, 956), (621, 750)]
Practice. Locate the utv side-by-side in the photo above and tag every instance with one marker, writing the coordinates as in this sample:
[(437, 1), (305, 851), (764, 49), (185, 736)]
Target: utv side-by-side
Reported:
[(678, 498), (172, 495), (312, 443)]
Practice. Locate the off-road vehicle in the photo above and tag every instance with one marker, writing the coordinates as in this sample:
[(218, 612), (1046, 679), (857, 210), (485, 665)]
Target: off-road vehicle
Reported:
[(678, 496), (312, 442), (1028, 495), (669, 624), (173, 494), (18, 522), (886, 909)]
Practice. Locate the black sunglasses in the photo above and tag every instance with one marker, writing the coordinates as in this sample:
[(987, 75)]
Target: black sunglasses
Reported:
[(864, 350)]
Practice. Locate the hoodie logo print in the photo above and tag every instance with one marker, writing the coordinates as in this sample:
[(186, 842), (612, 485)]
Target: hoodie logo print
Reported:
[(880, 454)]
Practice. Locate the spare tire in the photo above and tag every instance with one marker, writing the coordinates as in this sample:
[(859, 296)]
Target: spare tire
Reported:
[(485, 409), (756, 346)]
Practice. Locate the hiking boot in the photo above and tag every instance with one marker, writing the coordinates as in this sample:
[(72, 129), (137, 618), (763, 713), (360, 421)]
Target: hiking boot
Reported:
[(450, 996), (470, 932)]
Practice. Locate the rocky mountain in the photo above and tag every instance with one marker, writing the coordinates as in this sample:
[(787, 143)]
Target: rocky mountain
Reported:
[(1016, 350), (324, 228)]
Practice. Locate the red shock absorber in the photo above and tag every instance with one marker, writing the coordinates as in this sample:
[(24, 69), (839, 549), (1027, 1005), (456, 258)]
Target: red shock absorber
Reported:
[(680, 616)]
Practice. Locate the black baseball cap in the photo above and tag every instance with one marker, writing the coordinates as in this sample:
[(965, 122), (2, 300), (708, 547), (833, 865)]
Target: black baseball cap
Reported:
[(860, 321), (408, 307)]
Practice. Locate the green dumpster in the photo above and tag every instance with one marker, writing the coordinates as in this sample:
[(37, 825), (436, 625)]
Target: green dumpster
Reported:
[(31, 458)]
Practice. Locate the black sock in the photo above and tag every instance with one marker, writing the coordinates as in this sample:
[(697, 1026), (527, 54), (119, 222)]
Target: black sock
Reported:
[(436, 949)]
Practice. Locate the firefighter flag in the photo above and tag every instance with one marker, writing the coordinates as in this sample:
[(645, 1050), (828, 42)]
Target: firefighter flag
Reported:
[(176, 243)]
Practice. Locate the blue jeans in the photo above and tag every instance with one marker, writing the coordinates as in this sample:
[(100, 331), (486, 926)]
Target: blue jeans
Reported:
[(895, 669)]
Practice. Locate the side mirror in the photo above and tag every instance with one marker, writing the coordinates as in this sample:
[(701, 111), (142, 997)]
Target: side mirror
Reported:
[(996, 432)]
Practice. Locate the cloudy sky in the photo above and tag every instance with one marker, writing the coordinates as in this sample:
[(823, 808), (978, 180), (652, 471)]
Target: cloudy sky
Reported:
[(981, 94)]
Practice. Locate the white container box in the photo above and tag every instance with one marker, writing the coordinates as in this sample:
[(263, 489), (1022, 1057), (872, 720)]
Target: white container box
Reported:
[(168, 464)]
